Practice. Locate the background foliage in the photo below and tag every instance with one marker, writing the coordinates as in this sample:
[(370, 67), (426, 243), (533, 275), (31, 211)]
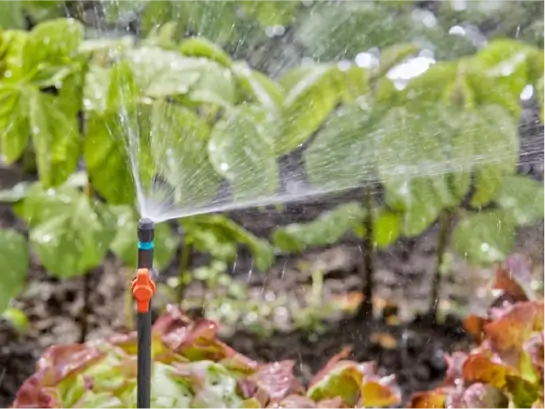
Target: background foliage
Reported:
[(248, 84)]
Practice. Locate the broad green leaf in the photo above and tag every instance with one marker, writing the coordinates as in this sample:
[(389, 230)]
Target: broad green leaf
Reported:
[(215, 86), (50, 50), (163, 73), (73, 239), (117, 140), (522, 198), (225, 230), (493, 136), (124, 245), (107, 159), (484, 238), (179, 140), (410, 163), (11, 14), (311, 95), (123, 90), (95, 93), (343, 153), (386, 228), (201, 47), (352, 82), (328, 228), (259, 87), (55, 138), (15, 260), (12, 45), (433, 84), (242, 153), (14, 126), (507, 66)]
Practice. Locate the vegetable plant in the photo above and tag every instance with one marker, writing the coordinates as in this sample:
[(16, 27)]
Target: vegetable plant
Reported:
[(66, 99), (506, 369), (193, 368)]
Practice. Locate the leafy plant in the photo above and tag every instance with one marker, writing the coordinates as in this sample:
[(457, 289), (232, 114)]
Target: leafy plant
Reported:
[(192, 368), (189, 106), (506, 369)]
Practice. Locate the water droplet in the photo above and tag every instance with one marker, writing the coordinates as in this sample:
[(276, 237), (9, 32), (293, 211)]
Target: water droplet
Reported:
[(224, 166), (35, 130), (457, 31), (7, 74)]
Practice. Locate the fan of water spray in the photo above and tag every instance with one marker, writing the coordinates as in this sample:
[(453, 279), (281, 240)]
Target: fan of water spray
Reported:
[(203, 131)]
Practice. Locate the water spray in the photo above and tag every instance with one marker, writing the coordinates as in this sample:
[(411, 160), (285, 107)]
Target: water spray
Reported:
[(143, 289)]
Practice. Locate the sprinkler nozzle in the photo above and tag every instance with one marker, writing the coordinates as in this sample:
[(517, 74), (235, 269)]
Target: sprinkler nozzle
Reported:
[(146, 236)]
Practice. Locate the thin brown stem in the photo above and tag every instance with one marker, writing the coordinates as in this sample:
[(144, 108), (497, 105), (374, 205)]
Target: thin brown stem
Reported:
[(442, 242), (367, 267)]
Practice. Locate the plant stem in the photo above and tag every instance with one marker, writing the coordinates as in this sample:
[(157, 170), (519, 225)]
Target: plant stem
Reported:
[(185, 258), (442, 241), (365, 311), (86, 309)]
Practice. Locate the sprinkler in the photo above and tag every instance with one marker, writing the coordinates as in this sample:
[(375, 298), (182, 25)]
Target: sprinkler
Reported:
[(143, 289)]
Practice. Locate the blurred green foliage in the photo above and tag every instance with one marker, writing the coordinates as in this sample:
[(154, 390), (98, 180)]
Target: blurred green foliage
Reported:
[(205, 84)]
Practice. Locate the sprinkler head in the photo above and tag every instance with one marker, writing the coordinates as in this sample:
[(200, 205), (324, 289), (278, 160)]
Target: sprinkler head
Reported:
[(146, 236), (146, 230)]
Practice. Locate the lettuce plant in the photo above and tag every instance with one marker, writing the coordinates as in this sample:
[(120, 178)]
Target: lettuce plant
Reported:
[(193, 368), (506, 369)]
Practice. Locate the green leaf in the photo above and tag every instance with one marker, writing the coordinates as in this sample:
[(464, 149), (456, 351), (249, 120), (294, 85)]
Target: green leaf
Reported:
[(410, 161), (484, 238), (125, 243), (215, 86), (163, 73), (352, 82), (328, 228), (70, 235), (55, 138), (14, 257), (311, 95), (386, 228), (179, 138), (201, 47), (540, 96), (343, 153), (95, 92), (12, 45), (50, 50), (11, 14), (14, 127), (225, 230), (507, 66), (258, 86), (123, 124), (522, 198), (493, 136), (241, 152), (107, 160)]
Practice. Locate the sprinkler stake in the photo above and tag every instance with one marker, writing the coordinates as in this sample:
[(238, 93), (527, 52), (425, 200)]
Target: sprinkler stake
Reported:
[(143, 289)]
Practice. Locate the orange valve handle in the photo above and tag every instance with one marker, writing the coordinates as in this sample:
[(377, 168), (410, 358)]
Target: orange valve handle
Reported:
[(143, 289)]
